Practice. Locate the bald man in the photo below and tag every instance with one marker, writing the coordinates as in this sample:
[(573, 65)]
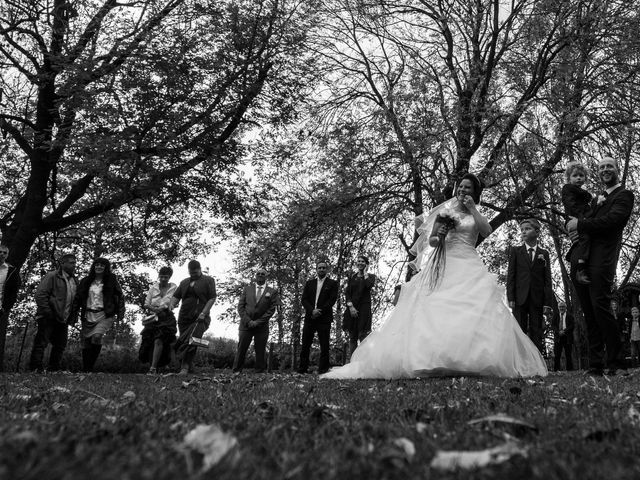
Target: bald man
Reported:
[(610, 212)]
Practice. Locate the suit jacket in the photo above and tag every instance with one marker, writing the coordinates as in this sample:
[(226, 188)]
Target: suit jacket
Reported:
[(326, 300), (570, 324), (259, 310), (605, 225), (527, 279)]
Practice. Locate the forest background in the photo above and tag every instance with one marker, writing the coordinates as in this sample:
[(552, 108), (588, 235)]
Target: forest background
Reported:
[(149, 131)]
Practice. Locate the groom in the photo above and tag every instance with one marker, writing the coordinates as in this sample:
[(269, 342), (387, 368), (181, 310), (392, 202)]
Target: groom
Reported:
[(610, 212)]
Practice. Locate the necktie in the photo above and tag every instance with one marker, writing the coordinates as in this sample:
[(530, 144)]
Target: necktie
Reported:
[(605, 194), (259, 292), (531, 250)]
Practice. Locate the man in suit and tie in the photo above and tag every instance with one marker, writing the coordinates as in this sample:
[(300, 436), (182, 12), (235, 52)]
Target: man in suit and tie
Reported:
[(609, 215), (318, 298), (257, 305), (563, 324), (529, 282)]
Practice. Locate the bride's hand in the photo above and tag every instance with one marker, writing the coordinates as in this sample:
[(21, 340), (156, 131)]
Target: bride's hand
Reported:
[(442, 231), (468, 202)]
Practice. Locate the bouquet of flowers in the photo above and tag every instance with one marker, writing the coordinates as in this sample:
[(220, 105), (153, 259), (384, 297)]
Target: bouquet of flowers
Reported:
[(437, 261)]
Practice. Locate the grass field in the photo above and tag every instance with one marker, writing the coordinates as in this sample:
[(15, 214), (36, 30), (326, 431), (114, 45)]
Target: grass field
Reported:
[(107, 426)]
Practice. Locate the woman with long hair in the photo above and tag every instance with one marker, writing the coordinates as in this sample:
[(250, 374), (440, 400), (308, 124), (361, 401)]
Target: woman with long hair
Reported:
[(452, 317), (98, 301)]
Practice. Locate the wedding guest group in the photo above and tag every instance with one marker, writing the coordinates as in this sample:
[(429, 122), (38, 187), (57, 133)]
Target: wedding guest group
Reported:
[(449, 316)]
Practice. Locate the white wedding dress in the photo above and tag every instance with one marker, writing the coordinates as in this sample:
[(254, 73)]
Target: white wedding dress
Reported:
[(462, 327)]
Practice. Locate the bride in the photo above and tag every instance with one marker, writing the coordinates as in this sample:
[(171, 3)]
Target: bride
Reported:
[(452, 317)]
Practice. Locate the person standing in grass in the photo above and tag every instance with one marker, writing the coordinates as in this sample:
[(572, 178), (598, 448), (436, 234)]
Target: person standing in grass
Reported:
[(160, 325), (318, 298), (99, 299), (563, 324), (356, 321), (197, 294), (54, 300), (256, 306)]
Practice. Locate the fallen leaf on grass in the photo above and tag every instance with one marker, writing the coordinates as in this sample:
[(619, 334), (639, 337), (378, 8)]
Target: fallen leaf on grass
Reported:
[(399, 453), (111, 418), (24, 398), (25, 437), (634, 416), (421, 427), (59, 406), (207, 445), (98, 402), (32, 416), (502, 418), (174, 426), (58, 389), (129, 396), (406, 446), (454, 460)]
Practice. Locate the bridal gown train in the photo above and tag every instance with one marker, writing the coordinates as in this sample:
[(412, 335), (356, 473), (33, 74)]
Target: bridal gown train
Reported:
[(462, 327)]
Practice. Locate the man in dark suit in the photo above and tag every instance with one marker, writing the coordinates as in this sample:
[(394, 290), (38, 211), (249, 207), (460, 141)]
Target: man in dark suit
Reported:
[(610, 212), (563, 324), (529, 282), (318, 298), (257, 305)]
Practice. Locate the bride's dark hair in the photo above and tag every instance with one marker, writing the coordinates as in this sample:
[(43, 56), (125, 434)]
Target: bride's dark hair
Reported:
[(477, 186)]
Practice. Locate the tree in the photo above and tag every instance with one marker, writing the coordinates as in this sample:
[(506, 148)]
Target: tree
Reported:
[(109, 103)]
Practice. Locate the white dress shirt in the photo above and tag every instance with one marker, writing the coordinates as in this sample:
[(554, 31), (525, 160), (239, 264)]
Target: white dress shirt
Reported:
[(318, 288), (4, 270)]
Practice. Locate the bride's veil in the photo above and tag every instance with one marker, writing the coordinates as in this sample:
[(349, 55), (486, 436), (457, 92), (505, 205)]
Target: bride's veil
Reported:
[(424, 223)]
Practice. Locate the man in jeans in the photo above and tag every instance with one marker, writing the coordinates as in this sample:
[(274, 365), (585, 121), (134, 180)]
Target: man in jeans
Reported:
[(54, 298)]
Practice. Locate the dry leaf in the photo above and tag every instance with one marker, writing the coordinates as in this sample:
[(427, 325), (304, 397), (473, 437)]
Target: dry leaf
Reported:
[(454, 460), (58, 389), (503, 418), (206, 445), (129, 396), (406, 446), (634, 416), (421, 427)]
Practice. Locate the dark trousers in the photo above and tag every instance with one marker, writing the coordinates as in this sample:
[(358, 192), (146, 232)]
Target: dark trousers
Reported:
[(259, 336), (50, 331), (603, 332), (308, 331), (355, 337), (635, 352), (563, 343), (530, 319)]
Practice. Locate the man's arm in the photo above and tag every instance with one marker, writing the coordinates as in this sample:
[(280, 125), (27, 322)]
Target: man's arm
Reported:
[(307, 303), (43, 294), (614, 219), (242, 306), (548, 285)]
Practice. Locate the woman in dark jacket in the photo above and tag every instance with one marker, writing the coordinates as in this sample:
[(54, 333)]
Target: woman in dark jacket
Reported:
[(98, 301), (357, 316)]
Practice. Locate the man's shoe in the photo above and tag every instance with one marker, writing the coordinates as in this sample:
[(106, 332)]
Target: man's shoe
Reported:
[(302, 371), (595, 372), (582, 277)]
